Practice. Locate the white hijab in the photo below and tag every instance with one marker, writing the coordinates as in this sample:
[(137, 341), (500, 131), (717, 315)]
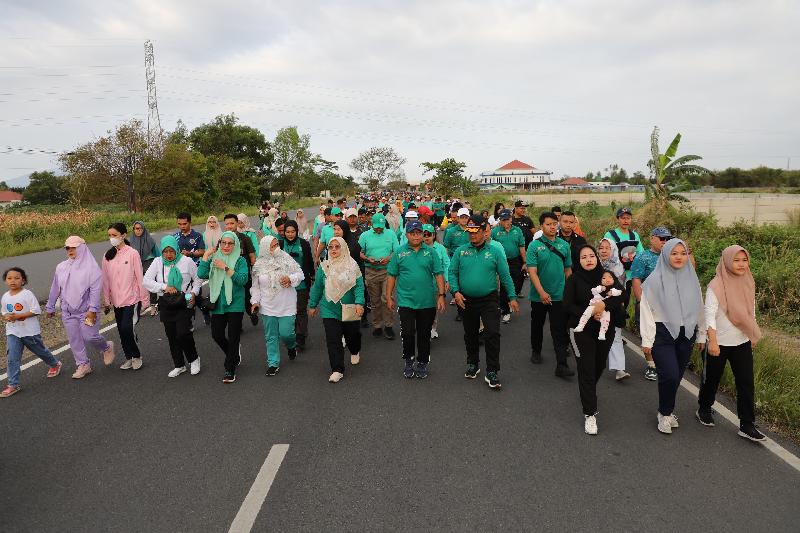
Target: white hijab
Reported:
[(340, 273), (274, 264)]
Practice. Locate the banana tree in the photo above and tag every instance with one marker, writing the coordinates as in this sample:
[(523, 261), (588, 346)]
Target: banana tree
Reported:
[(665, 168)]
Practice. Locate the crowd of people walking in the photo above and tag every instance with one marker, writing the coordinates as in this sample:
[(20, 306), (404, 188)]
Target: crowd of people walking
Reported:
[(377, 259)]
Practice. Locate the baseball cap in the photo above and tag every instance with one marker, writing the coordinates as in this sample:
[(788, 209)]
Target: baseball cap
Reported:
[(351, 212), (425, 210), (362, 211), (412, 214), (504, 214), (463, 211), (520, 203), (336, 211), (661, 231), (475, 223), (414, 225), (378, 220), (624, 211), (428, 228), (73, 241)]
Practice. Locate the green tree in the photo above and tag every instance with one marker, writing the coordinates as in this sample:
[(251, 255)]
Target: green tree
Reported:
[(293, 160), (448, 177), (378, 165), (225, 137), (46, 188), (666, 168), (175, 180)]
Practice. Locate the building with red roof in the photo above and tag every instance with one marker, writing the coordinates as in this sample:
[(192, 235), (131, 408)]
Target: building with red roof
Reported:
[(515, 175), (9, 198)]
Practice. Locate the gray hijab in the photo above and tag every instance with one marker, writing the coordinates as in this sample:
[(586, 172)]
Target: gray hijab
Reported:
[(674, 295)]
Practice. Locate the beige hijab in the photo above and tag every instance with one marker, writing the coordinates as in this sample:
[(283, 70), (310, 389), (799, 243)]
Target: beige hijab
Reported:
[(341, 273), (736, 294)]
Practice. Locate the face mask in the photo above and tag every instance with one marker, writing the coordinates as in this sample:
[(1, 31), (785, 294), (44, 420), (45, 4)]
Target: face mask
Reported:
[(115, 241)]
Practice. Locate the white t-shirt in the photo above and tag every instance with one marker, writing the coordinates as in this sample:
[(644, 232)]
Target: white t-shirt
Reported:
[(22, 302)]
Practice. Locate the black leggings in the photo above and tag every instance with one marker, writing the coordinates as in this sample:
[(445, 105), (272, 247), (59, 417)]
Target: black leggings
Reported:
[(230, 344)]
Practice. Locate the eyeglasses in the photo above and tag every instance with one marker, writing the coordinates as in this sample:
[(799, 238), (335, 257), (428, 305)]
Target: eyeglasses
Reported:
[(334, 247), (226, 243)]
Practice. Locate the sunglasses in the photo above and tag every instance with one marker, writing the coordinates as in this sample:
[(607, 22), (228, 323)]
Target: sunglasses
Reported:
[(427, 234), (226, 243), (664, 239)]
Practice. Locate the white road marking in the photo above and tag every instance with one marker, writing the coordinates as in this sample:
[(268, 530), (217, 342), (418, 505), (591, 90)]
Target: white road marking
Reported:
[(784, 454), (252, 503)]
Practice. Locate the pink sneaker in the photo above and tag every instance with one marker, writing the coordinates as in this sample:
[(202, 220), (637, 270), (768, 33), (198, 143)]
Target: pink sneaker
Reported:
[(108, 355), (82, 371), (9, 391), (53, 372)]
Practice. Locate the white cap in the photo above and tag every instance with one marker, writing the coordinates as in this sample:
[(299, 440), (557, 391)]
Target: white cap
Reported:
[(463, 211), (352, 212), (412, 214)]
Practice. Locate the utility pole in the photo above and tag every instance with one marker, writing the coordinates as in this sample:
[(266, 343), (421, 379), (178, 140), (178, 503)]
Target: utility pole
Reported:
[(154, 132)]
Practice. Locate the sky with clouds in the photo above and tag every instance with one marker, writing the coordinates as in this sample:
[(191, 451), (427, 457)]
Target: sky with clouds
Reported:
[(568, 86)]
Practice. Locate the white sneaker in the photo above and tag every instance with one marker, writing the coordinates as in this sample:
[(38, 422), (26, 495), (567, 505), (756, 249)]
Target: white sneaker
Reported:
[(434, 333), (194, 366), (175, 372), (664, 424), (127, 365), (136, 363), (506, 318), (674, 421), (601, 337), (335, 377), (355, 359), (621, 374), (590, 425), (344, 342)]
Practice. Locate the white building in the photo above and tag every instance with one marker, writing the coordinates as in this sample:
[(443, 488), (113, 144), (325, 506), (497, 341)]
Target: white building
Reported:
[(515, 175)]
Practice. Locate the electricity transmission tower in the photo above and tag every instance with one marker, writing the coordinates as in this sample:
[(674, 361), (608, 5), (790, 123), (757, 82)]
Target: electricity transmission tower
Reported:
[(154, 132)]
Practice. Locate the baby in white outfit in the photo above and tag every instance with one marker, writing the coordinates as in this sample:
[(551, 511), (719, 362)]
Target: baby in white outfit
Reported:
[(601, 292)]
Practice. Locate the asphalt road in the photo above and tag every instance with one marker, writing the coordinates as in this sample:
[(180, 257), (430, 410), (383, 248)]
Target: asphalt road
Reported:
[(136, 451)]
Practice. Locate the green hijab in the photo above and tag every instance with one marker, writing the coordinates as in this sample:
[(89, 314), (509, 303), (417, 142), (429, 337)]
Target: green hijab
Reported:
[(175, 278), (217, 279)]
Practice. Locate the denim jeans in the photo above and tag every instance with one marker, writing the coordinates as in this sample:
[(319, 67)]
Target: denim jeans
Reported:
[(15, 346)]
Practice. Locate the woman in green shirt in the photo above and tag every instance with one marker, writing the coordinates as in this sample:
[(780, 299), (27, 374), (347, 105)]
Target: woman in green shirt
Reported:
[(226, 272), (339, 283)]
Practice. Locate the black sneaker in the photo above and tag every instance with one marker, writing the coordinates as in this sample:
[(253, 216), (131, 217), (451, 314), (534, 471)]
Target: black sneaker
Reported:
[(563, 371), (377, 332), (300, 343), (421, 371), (705, 416), (492, 381), (472, 372), (749, 431), (536, 358), (458, 318), (229, 377), (408, 371), (271, 371), (388, 333), (650, 373), (254, 319), (292, 353)]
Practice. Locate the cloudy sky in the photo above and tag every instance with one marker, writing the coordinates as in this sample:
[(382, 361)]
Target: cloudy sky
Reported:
[(568, 86)]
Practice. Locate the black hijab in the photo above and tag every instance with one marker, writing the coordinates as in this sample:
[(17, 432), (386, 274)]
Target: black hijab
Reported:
[(590, 277), (350, 238)]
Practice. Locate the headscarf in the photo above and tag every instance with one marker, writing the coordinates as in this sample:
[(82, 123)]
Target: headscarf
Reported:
[(590, 277), (612, 264), (211, 236), (340, 273), (274, 264), (241, 217), (393, 218), (77, 276), (175, 278), (673, 294), (144, 244), (218, 280), (300, 219), (736, 294)]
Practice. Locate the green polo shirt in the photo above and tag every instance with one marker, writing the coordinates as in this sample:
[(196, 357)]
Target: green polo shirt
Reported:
[(549, 267), (511, 240), (474, 271), (377, 245), (413, 271), (326, 234), (454, 237), (295, 250)]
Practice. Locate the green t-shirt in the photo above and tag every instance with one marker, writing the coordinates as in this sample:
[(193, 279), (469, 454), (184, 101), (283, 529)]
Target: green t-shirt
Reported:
[(326, 234), (454, 237), (438, 208), (474, 271), (511, 240), (377, 246), (549, 267), (295, 250), (413, 272)]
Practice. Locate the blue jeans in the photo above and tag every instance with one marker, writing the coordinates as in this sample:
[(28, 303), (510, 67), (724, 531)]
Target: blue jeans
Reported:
[(671, 357), (14, 347)]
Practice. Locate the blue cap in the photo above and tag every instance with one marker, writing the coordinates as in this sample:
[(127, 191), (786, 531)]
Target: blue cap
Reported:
[(414, 225), (504, 214), (661, 231), (624, 211)]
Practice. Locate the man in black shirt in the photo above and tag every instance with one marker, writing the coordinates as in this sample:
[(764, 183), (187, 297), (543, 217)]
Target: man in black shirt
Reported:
[(566, 231), (522, 221)]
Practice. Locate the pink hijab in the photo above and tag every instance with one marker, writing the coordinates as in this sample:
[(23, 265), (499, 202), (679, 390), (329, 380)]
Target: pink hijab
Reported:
[(736, 294)]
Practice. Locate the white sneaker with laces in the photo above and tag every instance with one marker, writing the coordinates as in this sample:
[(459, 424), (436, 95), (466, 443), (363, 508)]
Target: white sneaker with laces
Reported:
[(127, 365), (136, 362), (674, 421), (175, 372), (590, 424), (506, 318), (664, 424), (194, 366), (621, 374), (434, 333), (335, 377)]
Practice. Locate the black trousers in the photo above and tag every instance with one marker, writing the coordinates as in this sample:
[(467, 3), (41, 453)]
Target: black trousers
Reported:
[(671, 357), (741, 359), (301, 319), (477, 309), (247, 306), (558, 328), (415, 329), (591, 355), (181, 339), (515, 268), (334, 329), (232, 322), (126, 317)]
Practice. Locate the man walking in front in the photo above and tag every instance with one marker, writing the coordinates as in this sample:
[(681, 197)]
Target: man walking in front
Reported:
[(473, 274), (377, 247)]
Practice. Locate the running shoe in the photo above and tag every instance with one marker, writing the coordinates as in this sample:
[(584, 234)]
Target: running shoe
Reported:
[(749, 431), (54, 371), (472, 372), (421, 371), (492, 380), (408, 370)]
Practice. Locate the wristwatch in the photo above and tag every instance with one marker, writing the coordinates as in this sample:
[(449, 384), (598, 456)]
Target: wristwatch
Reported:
[(226, 269)]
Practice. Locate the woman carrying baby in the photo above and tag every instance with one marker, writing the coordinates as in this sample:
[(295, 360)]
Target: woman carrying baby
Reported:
[(591, 293)]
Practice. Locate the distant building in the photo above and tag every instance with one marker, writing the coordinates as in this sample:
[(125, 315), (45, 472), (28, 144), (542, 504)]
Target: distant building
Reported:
[(515, 175), (8, 198)]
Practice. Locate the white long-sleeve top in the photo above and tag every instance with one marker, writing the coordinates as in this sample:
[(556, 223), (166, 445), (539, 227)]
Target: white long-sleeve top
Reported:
[(648, 320), (156, 276), (716, 319), (284, 303)]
